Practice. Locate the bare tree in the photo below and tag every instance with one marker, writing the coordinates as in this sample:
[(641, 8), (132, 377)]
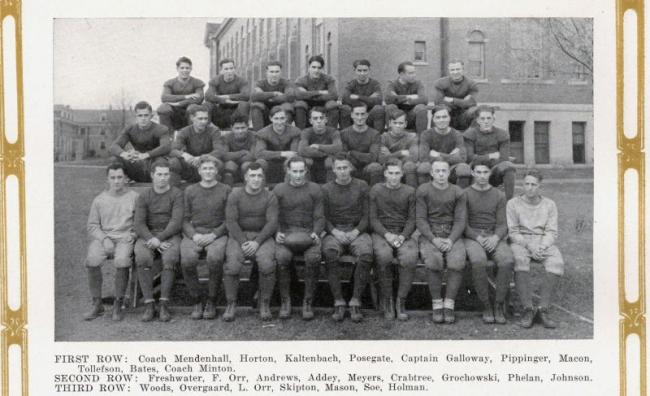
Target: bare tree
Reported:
[(574, 37)]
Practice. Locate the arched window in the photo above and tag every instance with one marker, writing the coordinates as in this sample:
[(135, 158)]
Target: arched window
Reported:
[(476, 54)]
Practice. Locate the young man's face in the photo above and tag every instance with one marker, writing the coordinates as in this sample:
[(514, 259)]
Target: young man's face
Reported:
[(485, 120), (362, 72), (481, 174), (455, 71), (315, 69), (143, 118), (440, 172), (441, 119), (208, 171), (228, 71), (398, 125), (273, 74), (160, 177), (359, 116), (279, 120), (184, 69), (342, 170), (116, 180), (200, 120), (297, 172), (393, 175), (254, 179), (239, 130), (408, 74), (318, 120), (531, 186)]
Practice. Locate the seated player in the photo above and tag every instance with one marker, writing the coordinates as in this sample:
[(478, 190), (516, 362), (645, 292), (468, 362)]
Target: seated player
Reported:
[(345, 203), (270, 92), (201, 137), (440, 218), (178, 93), (227, 93), (366, 90), (275, 144), (443, 143), (158, 222), (397, 143), (532, 228), (204, 230), (316, 89), (110, 227), (300, 225), (361, 144), (459, 93), (252, 219), (318, 144), (149, 141), (489, 143), (485, 236), (407, 93), (392, 217), (239, 146)]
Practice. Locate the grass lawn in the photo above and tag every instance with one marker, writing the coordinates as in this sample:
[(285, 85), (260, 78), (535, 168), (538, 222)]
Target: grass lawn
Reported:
[(76, 187)]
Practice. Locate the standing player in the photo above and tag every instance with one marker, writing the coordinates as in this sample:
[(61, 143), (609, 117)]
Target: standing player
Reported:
[(270, 92), (532, 227), (193, 141), (275, 144), (158, 221), (392, 217), (407, 93), (301, 224), (345, 203), (459, 93), (252, 219), (110, 227), (485, 236), (178, 93), (318, 144), (204, 230), (443, 143), (239, 146), (227, 93), (440, 218), (149, 141), (489, 143), (397, 143), (363, 89), (316, 89), (361, 144)]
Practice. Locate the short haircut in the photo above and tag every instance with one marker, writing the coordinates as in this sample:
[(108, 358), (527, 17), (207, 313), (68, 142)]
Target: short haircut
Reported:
[(401, 68), (274, 63), (534, 173), (195, 108), (360, 104), (183, 59), (393, 162), (226, 60), (115, 166), (238, 118), (254, 166), (316, 58), (342, 156), (440, 160), (483, 108), (204, 158), (358, 62), (395, 114), (276, 109), (159, 163), (142, 105), (319, 109), (440, 107), (295, 159), (455, 60), (480, 162)]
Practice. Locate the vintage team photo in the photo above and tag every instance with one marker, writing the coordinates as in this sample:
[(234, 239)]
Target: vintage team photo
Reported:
[(323, 179)]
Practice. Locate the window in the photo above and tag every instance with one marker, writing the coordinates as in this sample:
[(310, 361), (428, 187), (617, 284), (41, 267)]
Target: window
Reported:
[(578, 131), (476, 54), (516, 130), (526, 49), (102, 146), (317, 43), (542, 155), (420, 51), (102, 117), (580, 72)]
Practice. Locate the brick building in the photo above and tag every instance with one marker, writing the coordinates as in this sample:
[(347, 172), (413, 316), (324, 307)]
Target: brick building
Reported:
[(545, 98)]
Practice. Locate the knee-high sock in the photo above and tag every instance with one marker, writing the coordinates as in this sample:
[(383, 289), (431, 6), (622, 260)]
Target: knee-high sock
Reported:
[(166, 283), (95, 281), (192, 282), (361, 275), (503, 283), (435, 284), (522, 282), (548, 287), (480, 280), (334, 279), (405, 281), (215, 275), (454, 279), (121, 279), (284, 281), (145, 277)]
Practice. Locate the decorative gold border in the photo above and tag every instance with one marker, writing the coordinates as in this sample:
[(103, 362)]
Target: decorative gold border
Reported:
[(11, 163)]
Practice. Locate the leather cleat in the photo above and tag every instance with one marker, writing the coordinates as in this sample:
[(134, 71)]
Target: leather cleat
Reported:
[(389, 309), (307, 311), (437, 316), (118, 314), (209, 311), (450, 315), (339, 313), (265, 310), (545, 318), (500, 313), (527, 318), (164, 315), (400, 305), (197, 311), (488, 315), (96, 310), (229, 313), (285, 309), (149, 312), (355, 314)]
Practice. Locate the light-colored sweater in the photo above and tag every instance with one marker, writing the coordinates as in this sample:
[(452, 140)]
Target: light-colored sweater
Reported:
[(528, 219), (112, 216)]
